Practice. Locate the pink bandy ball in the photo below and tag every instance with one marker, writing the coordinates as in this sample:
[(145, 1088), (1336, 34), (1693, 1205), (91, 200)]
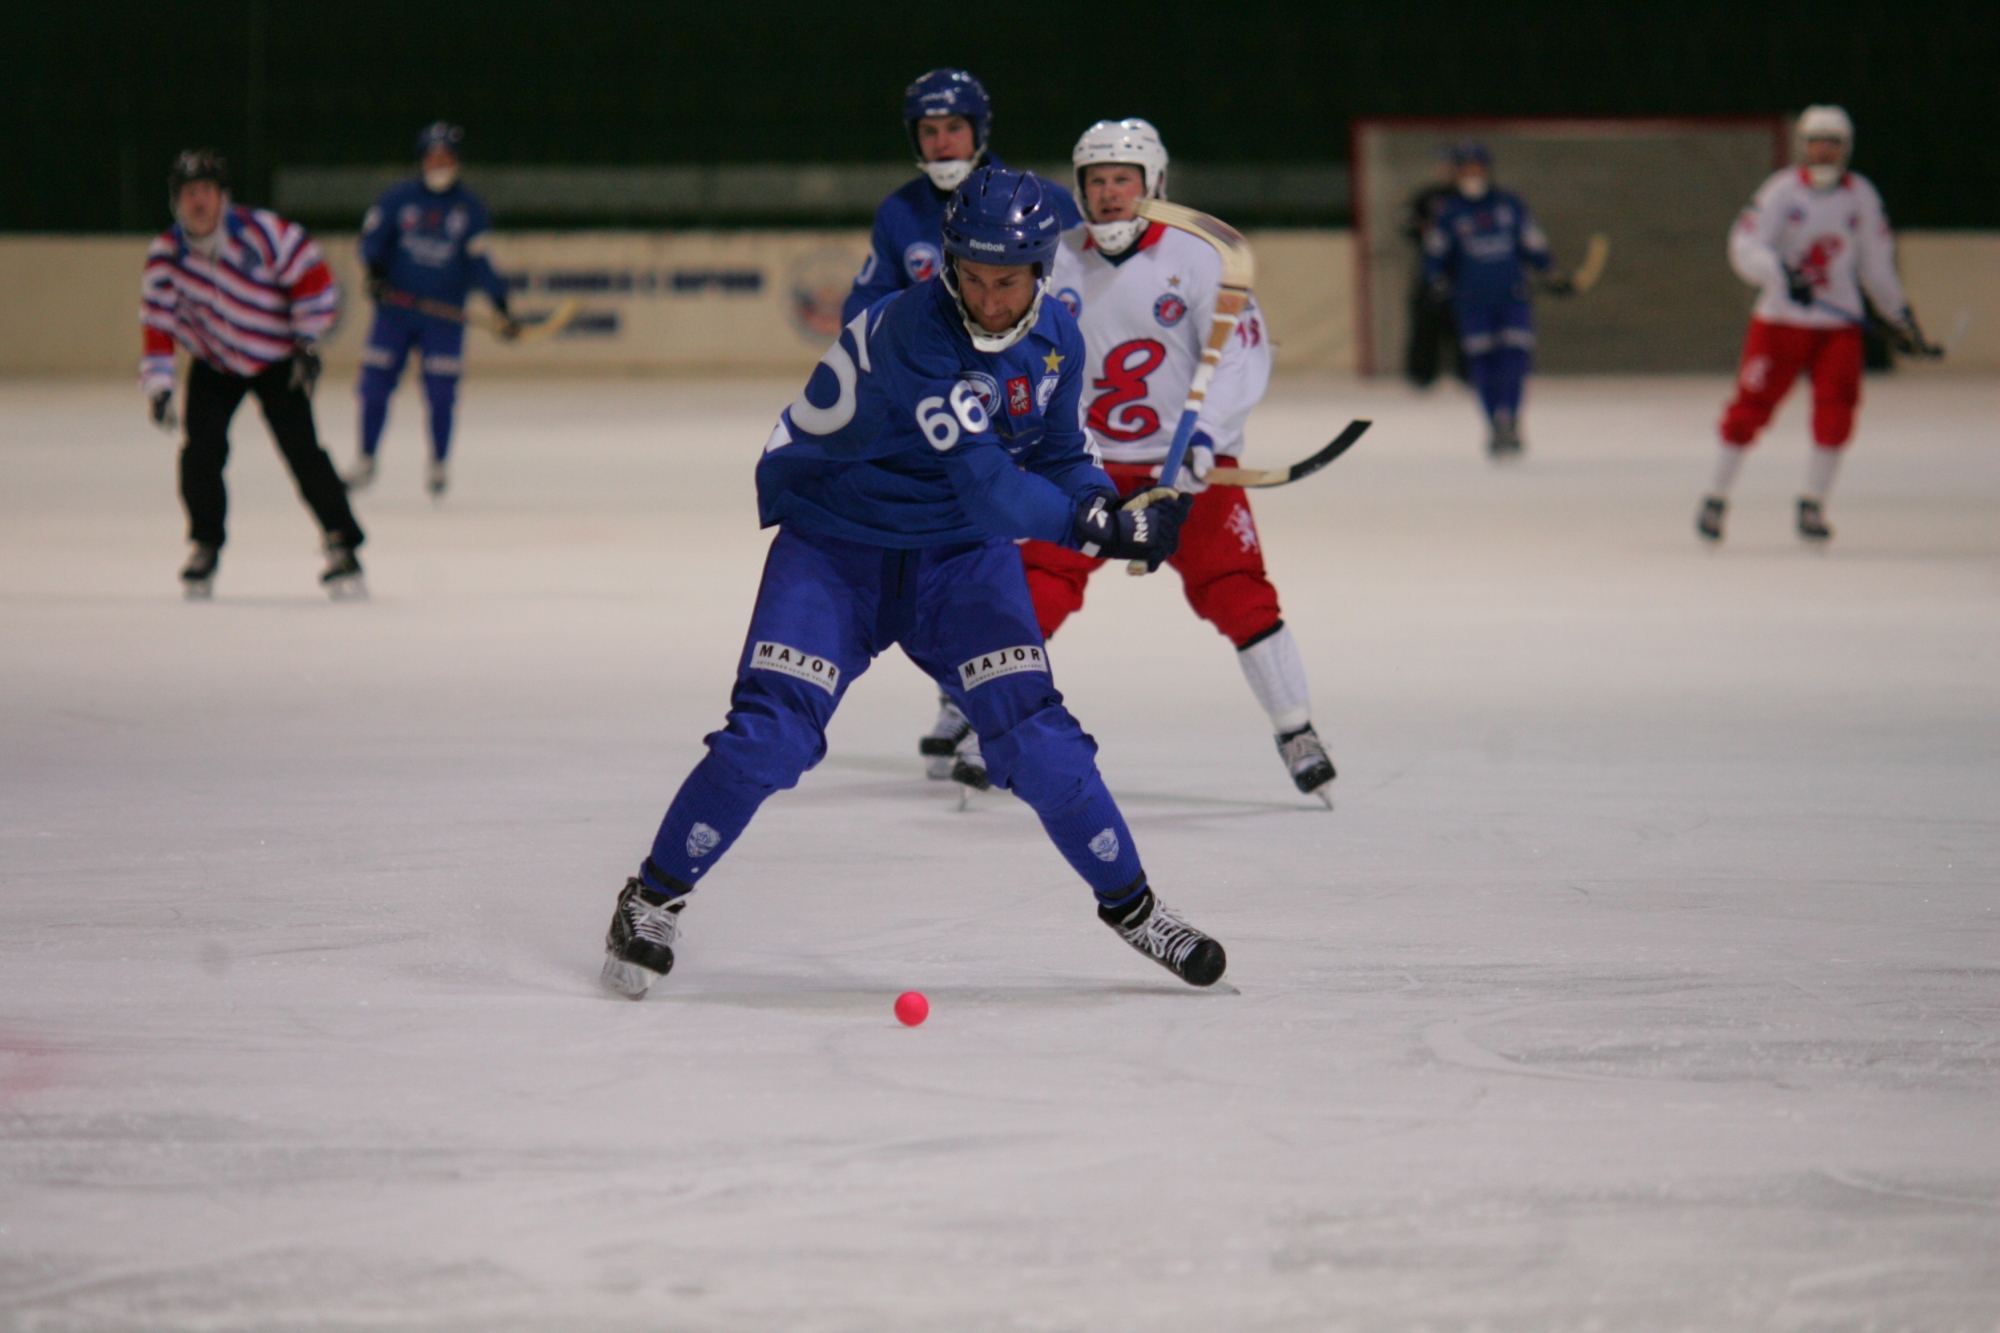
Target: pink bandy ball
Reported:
[(912, 1008)]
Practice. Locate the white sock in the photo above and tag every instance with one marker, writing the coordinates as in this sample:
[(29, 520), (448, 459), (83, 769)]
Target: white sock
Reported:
[(1819, 471), (1727, 464), (1277, 676)]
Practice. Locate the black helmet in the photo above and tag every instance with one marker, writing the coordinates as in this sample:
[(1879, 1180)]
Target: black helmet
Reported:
[(196, 164)]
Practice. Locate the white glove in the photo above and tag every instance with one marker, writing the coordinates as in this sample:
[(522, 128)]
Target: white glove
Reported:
[(1195, 466)]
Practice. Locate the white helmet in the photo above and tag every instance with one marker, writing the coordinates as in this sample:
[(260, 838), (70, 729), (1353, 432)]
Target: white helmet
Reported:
[(1130, 143), (1826, 122)]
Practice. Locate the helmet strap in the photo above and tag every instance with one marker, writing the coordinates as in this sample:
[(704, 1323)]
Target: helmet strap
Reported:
[(994, 342)]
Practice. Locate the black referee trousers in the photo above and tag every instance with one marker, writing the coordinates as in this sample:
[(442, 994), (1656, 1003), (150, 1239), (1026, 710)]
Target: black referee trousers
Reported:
[(212, 398)]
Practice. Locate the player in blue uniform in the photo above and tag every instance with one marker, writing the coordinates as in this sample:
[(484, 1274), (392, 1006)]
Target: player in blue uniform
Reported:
[(944, 423), (1478, 252), (947, 116), (424, 246)]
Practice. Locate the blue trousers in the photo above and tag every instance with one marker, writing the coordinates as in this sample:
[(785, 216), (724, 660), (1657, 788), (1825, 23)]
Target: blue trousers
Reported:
[(1498, 341), (962, 613), (441, 347)]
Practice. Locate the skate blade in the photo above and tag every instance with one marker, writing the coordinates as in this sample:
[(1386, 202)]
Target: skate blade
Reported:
[(1324, 799), (198, 590), (938, 770), (347, 588), (627, 979)]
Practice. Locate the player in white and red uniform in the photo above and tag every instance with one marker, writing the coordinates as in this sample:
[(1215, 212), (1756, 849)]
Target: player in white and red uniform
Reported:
[(1144, 296), (1813, 239)]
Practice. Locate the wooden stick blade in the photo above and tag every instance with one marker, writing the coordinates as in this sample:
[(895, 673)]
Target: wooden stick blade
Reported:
[(1239, 266), (1592, 268), (1305, 467)]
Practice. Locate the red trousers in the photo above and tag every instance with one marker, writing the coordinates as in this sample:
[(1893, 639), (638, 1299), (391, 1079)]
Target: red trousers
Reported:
[(1220, 561), (1773, 356)]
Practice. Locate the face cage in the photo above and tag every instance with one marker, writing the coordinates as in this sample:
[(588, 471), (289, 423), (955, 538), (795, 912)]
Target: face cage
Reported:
[(996, 342)]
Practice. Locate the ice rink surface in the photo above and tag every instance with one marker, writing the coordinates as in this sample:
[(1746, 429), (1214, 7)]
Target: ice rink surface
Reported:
[(1646, 975)]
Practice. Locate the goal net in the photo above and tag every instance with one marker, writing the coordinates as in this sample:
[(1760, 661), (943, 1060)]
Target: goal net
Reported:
[(1664, 192)]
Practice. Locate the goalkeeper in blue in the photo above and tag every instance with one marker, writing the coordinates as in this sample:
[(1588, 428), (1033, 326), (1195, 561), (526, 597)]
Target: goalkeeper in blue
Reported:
[(1481, 252), (943, 425)]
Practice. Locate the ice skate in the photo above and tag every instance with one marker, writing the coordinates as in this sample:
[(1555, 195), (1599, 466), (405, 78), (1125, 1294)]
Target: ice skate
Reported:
[(342, 577), (1306, 760), (1709, 521), (1505, 442), (639, 947), (940, 747), (968, 768), (436, 478), (362, 475), (1812, 522), (1158, 932), (198, 575)]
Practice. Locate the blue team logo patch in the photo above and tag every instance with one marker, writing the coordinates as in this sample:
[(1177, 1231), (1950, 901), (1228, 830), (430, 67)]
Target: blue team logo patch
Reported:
[(922, 260), (985, 387), (1170, 309), (1072, 301), (1045, 391)]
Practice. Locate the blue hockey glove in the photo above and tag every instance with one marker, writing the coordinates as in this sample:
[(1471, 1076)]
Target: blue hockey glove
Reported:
[(1798, 286), (1150, 534)]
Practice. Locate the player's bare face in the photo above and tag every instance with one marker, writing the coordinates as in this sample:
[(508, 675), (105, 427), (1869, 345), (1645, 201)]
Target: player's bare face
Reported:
[(1824, 152), (199, 207), (945, 138), (1112, 190), (997, 295)]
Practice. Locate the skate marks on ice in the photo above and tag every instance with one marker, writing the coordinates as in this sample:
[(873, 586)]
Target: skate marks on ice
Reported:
[(902, 779), (787, 992), (1695, 1031)]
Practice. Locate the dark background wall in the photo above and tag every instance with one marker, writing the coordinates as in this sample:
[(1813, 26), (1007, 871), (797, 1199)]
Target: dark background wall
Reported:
[(100, 95)]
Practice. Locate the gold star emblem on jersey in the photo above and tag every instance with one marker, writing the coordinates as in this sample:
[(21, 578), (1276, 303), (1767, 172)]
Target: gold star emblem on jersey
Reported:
[(1174, 281), (1052, 362)]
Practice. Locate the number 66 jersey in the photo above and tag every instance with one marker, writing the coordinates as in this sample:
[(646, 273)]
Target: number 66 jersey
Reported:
[(1145, 317), (907, 435)]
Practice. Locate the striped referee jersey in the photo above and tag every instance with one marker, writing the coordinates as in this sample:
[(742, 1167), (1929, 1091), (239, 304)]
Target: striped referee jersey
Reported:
[(239, 305)]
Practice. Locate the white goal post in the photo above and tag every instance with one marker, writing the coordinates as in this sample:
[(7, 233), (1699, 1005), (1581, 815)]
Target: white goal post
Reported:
[(1663, 191)]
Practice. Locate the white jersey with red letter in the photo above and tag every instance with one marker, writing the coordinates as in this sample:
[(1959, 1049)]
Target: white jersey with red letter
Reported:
[(1145, 318), (1838, 238)]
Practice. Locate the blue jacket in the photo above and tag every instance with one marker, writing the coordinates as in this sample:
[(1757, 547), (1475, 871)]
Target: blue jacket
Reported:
[(908, 436), (1483, 247), (432, 246), (908, 245)]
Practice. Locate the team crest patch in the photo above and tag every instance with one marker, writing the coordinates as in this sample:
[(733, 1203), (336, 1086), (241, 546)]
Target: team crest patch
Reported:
[(1072, 300), (922, 261), (1005, 662), (985, 386), (791, 662), (1105, 845), (1019, 400), (1045, 391), (702, 840), (1170, 309)]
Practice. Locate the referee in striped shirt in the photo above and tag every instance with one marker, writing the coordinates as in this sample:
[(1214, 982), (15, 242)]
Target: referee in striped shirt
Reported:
[(248, 294)]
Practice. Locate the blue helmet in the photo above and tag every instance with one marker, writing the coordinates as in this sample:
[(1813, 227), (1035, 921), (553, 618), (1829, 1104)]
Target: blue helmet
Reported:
[(947, 92), (440, 134), (1002, 216), (998, 216)]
